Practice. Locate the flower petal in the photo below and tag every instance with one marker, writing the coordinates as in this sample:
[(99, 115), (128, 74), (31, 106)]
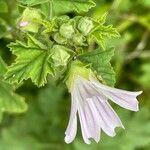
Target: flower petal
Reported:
[(72, 125), (105, 121), (82, 117), (125, 99), (84, 128), (111, 114), (92, 128), (86, 88), (95, 129), (71, 131)]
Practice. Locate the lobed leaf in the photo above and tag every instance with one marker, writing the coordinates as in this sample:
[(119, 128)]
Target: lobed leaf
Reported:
[(9, 101), (100, 61), (103, 32), (66, 6), (62, 6), (32, 62)]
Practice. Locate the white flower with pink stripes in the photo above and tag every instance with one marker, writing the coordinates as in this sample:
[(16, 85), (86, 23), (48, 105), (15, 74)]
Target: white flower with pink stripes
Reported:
[(90, 101)]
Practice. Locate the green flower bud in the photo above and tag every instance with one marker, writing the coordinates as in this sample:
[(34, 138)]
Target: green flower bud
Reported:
[(78, 39), (85, 25), (60, 56), (77, 69), (62, 19), (66, 30), (60, 39), (28, 21)]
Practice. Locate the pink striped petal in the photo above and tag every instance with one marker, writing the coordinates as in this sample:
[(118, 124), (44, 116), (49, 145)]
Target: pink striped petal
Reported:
[(125, 99), (83, 119), (96, 130), (86, 88), (106, 126), (84, 126)]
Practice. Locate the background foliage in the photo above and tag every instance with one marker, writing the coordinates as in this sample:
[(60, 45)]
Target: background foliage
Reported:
[(42, 127)]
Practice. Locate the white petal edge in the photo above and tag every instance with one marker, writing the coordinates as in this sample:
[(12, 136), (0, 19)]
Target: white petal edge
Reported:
[(70, 134), (72, 125), (83, 120), (125, 99), (97, 133)]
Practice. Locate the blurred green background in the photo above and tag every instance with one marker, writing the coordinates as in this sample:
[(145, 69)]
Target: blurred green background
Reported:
[(42, 127)]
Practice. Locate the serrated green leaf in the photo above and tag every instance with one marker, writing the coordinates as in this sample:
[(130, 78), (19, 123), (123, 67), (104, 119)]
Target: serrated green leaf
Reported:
[(62, 6), (99, 39), (101, 32), (66, 6), (9, 101), (100, 61), (32, 62), (101, 19)]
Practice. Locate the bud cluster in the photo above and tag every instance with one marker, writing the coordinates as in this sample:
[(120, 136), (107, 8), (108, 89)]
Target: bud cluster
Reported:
[(72, 32), (69, 34), (66, 34)]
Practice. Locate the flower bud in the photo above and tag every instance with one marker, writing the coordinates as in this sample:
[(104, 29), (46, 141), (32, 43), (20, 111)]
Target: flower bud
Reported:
[(78, 39), (85, 25), (60, 39), (60, 55), (62, 19), (28, 21), (66, 30)]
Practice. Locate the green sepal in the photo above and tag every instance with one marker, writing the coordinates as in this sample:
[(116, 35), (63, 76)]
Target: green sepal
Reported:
[(31, 17)]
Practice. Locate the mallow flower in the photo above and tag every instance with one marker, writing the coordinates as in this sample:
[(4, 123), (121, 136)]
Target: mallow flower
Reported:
[(90, 102)]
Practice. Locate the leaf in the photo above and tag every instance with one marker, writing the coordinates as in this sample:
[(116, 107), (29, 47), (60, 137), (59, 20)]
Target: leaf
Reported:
[(32, 2), (101, 20), (101, 32), (23, 133), (62, 6), (66, 6), (3, 6), (32, 62), (3, 67), (100, 61), (3, 28), (9, 101)]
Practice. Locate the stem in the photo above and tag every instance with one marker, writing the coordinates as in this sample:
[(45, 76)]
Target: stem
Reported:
[(139, 48), (50, 15)]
